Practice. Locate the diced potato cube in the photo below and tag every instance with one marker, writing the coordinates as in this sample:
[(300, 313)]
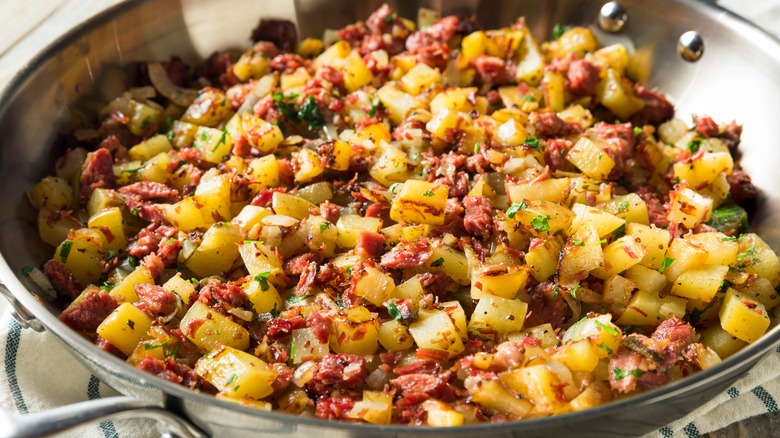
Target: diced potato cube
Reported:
[(262, 294), (125, 327), (544, 332), (419, 78), (542, 218), (397, 103), (237, 374), (125, 290), (761, 290), (354, 331), (491, 394), (618, 96), (700, 283), (618, 290), (646, 279), (392, 166), (251, 65), (614, 57), (261, 260), (689, 208), (395, 336), (682, 255), (630, 207), (82, 253), (217, 252), (215, 144), (54, 226), (434, 330), (550, 190), (306, 346), (581, 255), (356, 74), (261, 134), (441, 414), (291, 205), (648, 308), (451, 262), (604, 223), (542, 258), (720, 249), (495, 315), (306, 165), (209, 108), (375, 408), (51, 193), (578, 356), (109, 223), (374, 285), (340, 155), (148, 149), (205, 327), (575, 40), (655, 241), (720, 341), (474, 44), (595, 394), (500, 280), (181, 287), (264, 172), (600, 329), (531, 63), (590, 159), (537, 384), (743, 317), (351, 225), (553, 84), (419, 202), (620, 255)]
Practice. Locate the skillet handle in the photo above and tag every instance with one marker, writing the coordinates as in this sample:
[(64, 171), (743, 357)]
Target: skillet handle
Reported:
[(64, 418)]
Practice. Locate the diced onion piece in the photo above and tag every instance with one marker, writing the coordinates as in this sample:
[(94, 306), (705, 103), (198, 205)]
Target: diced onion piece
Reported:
[(377, 379), (280, 220), (163, 84), (304, 373), (42, 281), (244, 314)]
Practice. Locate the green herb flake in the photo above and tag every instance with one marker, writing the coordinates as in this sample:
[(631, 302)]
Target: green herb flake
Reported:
[(262, 278), (65, 250), (375, 102), (515, 207), (293, 299), (310, 113), (540, 223), (324, 226), (606, 328), (559, 29), (275, 313), (574, 290), (394, 188), (665, 264), (620, 373), (438, 262), (637, 130), (27, 269), (148, 346), (133, 170), (694, 145), (533, 143), (145, 122), (232, 379), (556, 289), (578, 242), (427, 193), (729, 239), (392, 309), (729, 218), (133, 262)]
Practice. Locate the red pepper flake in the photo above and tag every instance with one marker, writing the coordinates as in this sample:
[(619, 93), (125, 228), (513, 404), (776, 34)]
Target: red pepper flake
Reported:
[(638, 310)]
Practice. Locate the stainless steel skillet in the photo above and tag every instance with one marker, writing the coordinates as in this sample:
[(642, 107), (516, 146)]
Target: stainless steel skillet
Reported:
[(734, 79)]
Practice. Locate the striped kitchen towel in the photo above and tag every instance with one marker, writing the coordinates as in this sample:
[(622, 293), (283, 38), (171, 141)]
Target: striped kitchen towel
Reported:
[(40, 373)]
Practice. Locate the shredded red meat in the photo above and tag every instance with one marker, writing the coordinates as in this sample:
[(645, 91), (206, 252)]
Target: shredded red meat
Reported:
[(88, 313)]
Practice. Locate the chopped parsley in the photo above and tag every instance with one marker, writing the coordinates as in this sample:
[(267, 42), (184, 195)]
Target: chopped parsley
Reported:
[(555, 291), (133, 262), (620, 373), (729, 239), (637, 130), (533, 142), (145, 122), (394, 187), (515, 207), (27, 269), (606, 328), (287, 109), (427, 193), (65, 250), (222, 139), (605, 348), (148, 346), (232, 379), (540, 223), (262, 278), (438, 262), (310, 113), (559, 29), (292, 299), (667, 261), (574, 290), (324, 226), (133, 170), (292, 349), (578, 242), (275, 313), (729, 218), (392, 309), (694, 145)]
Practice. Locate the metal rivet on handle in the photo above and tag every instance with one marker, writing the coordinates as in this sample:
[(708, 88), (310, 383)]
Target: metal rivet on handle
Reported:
[(691, 46), (612, 17)]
